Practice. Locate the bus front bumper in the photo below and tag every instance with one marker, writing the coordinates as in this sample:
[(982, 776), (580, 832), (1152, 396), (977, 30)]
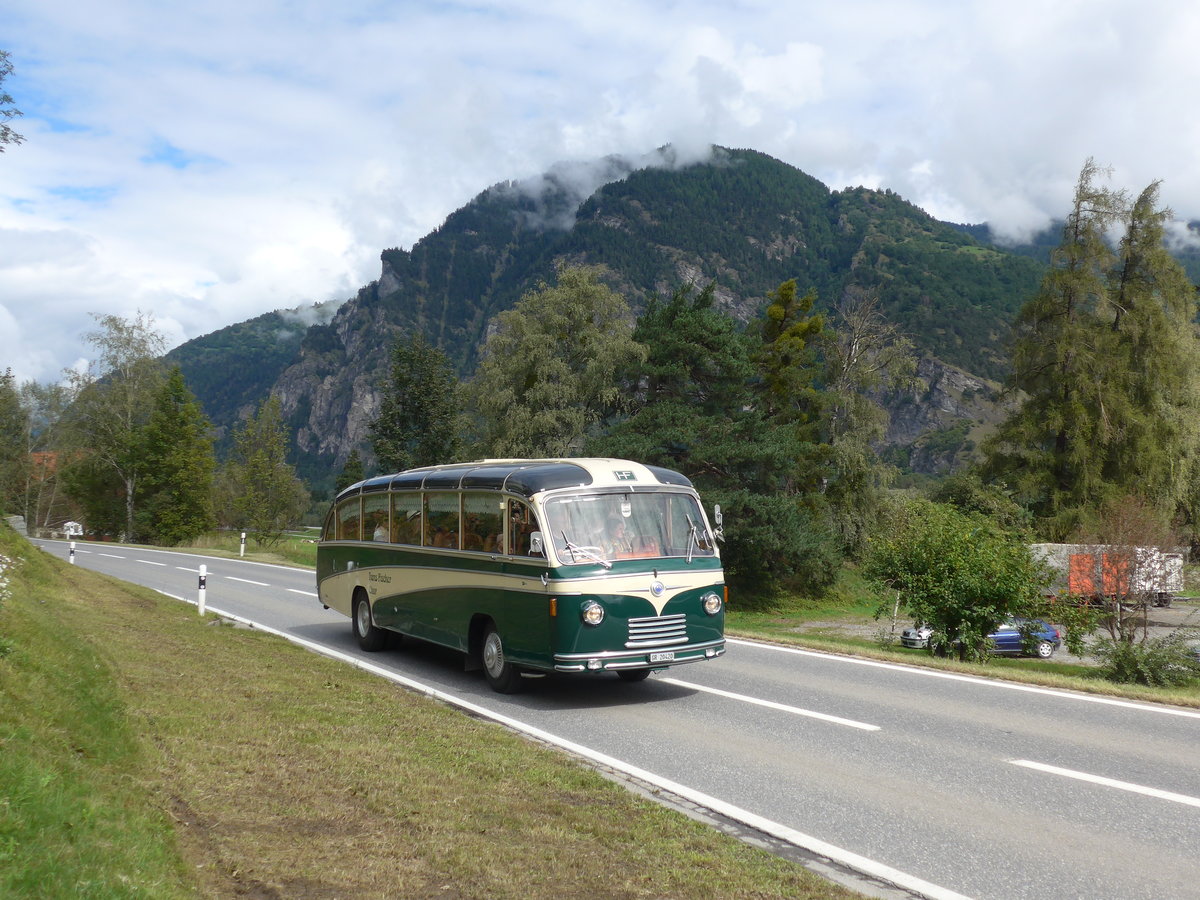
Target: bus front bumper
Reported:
[(612, 660)]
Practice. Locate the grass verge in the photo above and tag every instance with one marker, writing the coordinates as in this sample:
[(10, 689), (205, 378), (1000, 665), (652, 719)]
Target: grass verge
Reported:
[(146, 752)]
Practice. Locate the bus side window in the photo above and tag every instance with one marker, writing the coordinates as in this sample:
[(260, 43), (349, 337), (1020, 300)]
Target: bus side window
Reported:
[(348, 520), (375, 518), (406, 517), (481, 522), (441, 514)]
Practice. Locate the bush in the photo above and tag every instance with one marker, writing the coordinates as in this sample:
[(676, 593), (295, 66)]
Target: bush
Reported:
[(772, 542), (1159, 661), (953, 571)]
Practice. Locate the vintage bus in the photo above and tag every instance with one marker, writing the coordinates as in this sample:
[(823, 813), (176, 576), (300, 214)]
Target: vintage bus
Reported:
[(530, 566)]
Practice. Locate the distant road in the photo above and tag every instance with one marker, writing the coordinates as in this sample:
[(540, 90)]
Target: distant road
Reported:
[(949, 785)]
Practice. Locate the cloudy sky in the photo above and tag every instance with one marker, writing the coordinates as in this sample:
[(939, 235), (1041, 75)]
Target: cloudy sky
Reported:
[(207, 162)]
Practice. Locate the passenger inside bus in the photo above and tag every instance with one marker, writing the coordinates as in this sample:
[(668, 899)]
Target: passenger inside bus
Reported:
[(522, 524), (472, 539)]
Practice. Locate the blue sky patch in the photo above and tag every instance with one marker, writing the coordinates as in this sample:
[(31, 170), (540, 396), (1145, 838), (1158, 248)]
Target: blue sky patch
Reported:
[(91, 194), (164, 153)]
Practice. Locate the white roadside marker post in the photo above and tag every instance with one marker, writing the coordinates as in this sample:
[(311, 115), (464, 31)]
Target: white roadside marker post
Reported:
[(203, 586)]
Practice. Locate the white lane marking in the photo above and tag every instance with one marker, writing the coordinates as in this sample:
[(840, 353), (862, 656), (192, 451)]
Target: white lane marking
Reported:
[(147, 562), (848, 858), (1108, 782), (226, 559), (771, 704), (302, 593), (110, 555), (974, 679), (186, 569), (247, 581)]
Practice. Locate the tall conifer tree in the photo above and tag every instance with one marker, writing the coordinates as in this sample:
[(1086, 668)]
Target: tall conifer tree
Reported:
[(1105, 363), (268, 496), (420, 420), (175, 487)]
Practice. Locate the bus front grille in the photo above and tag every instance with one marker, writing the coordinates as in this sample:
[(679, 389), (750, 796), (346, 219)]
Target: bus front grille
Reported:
[(657, 631)]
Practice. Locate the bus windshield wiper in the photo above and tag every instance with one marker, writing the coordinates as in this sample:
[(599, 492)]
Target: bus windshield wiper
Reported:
[(592, 553), (693, 538)]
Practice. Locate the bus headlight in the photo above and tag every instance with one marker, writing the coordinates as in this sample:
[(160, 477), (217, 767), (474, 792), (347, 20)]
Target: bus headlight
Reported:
[(592, 613), (712, 603)]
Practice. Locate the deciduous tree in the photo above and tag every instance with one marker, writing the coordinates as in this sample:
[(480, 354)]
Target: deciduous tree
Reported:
[(864, 357), (42, 501), (955, 572), (550, 371), (113, 400)]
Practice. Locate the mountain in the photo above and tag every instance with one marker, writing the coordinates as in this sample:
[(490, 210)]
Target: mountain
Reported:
[(740, 219), (258, 350)]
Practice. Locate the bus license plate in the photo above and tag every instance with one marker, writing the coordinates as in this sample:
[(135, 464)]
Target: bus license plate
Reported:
[(665, 656)]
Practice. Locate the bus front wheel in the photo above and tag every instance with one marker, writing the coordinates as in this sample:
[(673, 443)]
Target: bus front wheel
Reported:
[(501, 674), (633, 675), (370, 637)]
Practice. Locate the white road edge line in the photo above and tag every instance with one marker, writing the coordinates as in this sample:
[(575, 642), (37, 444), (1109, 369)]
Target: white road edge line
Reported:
[(1108, 782), (985, 682), (782, 832), (247, 581), (771, 704)]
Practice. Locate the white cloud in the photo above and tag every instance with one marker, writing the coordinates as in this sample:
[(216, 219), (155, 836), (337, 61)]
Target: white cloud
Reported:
[(210, 162)]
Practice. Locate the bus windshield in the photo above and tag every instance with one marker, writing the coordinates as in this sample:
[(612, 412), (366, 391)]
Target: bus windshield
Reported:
[(608, 526)]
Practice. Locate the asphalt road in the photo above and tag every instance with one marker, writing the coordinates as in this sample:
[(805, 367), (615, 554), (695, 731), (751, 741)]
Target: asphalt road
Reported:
[(957, 786)]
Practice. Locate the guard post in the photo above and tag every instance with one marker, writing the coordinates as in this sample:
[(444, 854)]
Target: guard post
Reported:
[(203, 586)]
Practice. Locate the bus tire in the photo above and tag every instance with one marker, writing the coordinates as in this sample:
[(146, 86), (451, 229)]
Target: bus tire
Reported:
[(370, 637), (502, 675), (633, 675)]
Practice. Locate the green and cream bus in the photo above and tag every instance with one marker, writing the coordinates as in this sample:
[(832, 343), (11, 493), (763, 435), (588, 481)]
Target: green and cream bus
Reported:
[(527, 566)]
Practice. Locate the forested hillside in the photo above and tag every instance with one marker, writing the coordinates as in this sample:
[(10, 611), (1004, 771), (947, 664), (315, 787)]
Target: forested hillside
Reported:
[(743, 221)]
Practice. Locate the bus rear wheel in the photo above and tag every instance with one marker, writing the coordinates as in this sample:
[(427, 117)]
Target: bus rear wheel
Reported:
[(501, 674), (370, 637)]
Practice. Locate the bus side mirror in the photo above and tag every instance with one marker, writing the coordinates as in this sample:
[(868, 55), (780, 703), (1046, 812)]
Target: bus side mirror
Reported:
[(535, 544), (719, 531)]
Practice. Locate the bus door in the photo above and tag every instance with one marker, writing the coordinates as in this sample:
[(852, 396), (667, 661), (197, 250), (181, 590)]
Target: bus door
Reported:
[(527, 606)]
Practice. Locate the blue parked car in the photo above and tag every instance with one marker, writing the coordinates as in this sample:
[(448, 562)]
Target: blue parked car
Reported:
[(1007, 638)]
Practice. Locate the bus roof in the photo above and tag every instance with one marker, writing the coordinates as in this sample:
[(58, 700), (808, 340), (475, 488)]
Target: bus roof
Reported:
[(523, 477)]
